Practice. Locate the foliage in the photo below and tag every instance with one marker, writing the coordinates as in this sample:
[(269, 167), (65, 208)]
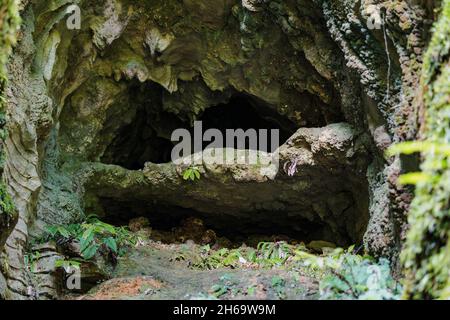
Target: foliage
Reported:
[(192, 174), (346, 275), (6, 203), (428, 149), (278, 284), (211, 259), (267, 255), (272, 254), (9, 25), (30, 260), (94, 235), (426, 255), (342, 274), (68, 264), (224, 286)]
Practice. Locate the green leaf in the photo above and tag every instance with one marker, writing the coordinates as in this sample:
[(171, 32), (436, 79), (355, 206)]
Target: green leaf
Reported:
[(411, 147), (52, 230), (111, 243), (414, 178), (252, 256), (219, 290), (197, 174), (187, 174), (59, 263), (90, 251), (86, 242), (88, 232), (63, 232)]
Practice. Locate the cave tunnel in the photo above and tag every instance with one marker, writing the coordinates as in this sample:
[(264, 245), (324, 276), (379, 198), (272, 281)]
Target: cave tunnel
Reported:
[(236, 228), (146, 139)]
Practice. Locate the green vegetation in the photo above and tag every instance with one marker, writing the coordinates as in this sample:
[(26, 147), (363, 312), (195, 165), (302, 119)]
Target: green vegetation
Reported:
[(9, 25), (342, 273), (279, 284), (426, 256), (30, 260), (225, 285), (362, 278), (68, 264), (430, 173), (192, 174), (94, 235), (6, 203), (268, 255), (346, 275)]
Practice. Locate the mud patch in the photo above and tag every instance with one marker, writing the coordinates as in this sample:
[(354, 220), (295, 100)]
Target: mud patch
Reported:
[(121, 288)]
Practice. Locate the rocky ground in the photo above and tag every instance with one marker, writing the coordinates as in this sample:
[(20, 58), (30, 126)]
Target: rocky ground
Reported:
[(157, 271), (167, 266), (91, 112)]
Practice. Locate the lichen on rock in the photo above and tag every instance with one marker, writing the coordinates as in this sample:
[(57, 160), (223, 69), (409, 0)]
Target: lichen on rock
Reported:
[(91, 113), (427, 254)]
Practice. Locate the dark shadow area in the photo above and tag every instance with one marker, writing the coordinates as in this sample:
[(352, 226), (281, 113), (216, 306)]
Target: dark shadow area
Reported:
[(237, 229), (247, 112), (147, 138)]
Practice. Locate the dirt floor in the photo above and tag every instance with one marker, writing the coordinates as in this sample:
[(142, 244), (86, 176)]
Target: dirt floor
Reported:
[(157, 271)]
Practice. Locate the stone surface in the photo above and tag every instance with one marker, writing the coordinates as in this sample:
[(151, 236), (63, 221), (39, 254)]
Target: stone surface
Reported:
[(150, 273), (3, 287), (250, 193), (146, 68)]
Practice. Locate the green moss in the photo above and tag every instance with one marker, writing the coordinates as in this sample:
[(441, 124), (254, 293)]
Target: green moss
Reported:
[(6, 203), (426, 256), (9, 24)]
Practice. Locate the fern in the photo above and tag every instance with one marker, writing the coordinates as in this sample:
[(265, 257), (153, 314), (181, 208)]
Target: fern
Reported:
[(92, 235), (192, 174)]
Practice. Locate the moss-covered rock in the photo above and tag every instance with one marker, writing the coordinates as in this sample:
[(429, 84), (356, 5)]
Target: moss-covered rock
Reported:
[(9, 24), (427, 253), (91, 112)]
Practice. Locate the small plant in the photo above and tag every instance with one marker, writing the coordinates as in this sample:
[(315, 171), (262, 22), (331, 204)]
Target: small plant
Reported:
[(270, 254), (345, 275), (278, 284), (361, 279), (192, 174), (68, 265), (224, 286), (6, 203), (30, 260), (223, 258), (266, 255), (94, 235), (432, 168)]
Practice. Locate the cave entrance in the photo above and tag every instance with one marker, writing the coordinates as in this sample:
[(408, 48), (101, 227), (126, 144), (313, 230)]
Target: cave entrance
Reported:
[(246, 112), (148, 137), (171, 224), (320, 203)]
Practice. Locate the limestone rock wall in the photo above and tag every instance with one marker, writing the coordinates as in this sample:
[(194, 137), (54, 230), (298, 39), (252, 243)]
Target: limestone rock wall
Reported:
[(316, 63), (426, 257)]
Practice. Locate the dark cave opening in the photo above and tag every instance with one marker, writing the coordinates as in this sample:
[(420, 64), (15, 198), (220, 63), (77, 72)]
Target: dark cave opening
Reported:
[(247, 112), (260, 225), (148, 137)]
